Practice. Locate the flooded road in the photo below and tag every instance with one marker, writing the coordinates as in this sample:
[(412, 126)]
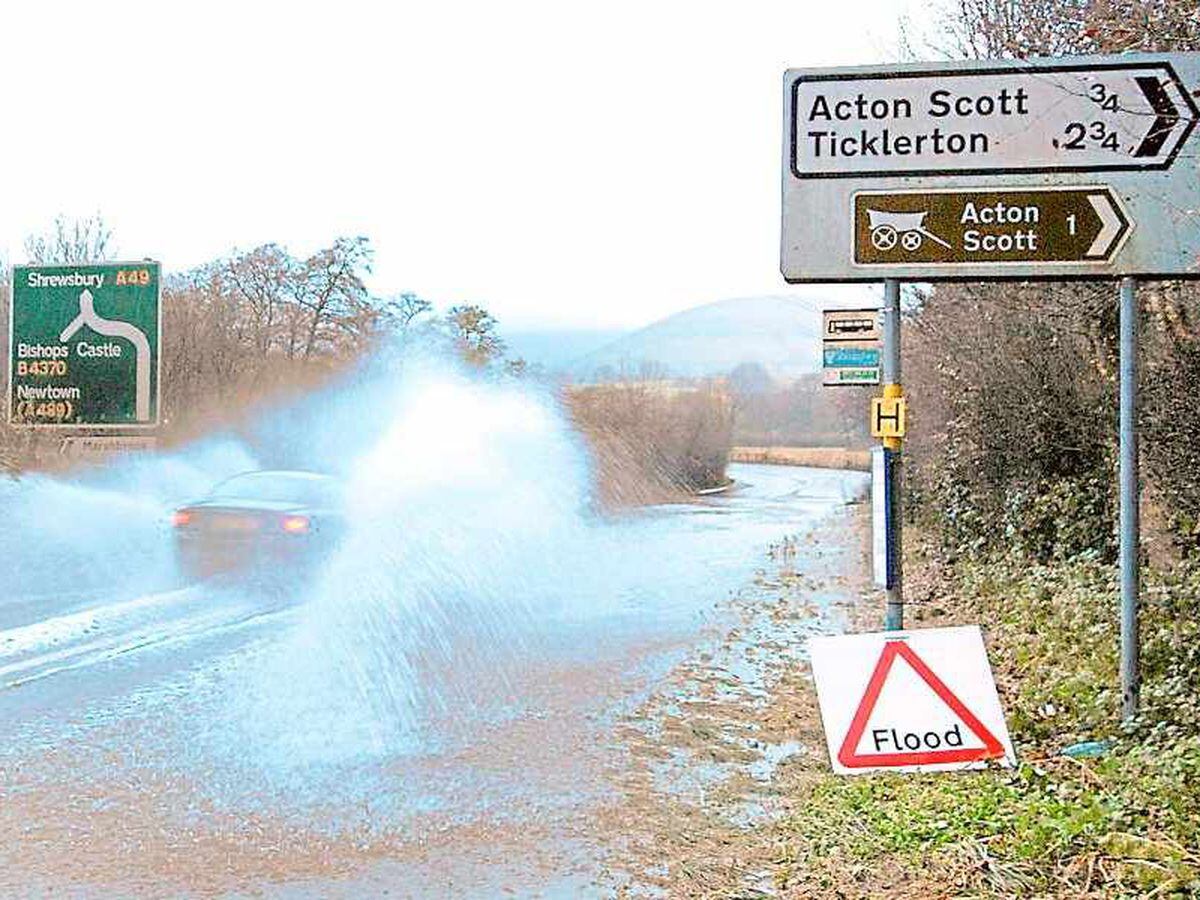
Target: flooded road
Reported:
[(450, 719)]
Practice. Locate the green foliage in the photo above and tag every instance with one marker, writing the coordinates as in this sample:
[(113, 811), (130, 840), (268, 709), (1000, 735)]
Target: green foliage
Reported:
[(1171, 453), (1061, 519), (1171, 654), (1021, 813), (1054, 628), (1057, 519), (1053, 641), (1026, 831), (1014, 418)]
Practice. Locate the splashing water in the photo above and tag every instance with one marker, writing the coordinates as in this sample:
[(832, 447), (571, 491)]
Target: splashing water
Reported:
[(104, 532), (472, 555), (461, 512)]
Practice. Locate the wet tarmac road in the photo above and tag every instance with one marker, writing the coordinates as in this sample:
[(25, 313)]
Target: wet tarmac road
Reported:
[(210, 741)]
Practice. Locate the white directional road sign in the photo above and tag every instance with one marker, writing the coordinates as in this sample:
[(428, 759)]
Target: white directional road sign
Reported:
[(921, 700), (1078, 168), (1092, 117)]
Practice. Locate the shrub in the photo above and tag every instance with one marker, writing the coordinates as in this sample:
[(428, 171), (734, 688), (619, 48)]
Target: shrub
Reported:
[(652, 439)]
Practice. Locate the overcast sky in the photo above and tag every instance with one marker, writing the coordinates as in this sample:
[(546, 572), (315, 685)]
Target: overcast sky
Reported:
[(563, 164)]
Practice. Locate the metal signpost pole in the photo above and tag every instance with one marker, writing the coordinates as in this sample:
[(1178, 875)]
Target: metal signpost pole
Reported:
[(1052, 169), (894, 620), (1130, 674)]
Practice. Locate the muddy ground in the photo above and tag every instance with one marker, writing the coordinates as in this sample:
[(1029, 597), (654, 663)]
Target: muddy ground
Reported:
[(714, 758)]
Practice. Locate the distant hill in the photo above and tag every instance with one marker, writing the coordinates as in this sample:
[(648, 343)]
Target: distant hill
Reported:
[(780, 333), (557, 350)]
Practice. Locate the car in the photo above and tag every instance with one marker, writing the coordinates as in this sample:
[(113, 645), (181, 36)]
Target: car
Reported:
[(265, 523)]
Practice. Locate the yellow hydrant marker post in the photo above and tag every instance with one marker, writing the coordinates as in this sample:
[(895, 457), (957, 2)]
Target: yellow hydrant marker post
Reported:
[(889, 416)]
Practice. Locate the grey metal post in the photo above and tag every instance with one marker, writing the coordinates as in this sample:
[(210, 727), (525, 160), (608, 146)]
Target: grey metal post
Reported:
[(1130, 555), (894, 620), (891, 331)]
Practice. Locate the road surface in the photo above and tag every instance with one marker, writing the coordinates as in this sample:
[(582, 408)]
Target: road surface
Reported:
[(446, 715)]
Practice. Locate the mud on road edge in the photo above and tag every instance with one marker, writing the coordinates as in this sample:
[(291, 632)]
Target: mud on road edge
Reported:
[(714, 761)]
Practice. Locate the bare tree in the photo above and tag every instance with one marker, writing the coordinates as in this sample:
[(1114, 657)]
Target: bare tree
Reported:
[(329, 288), (473, 331), (71, 241), (256, 286), (407, 310), (1019, 29)]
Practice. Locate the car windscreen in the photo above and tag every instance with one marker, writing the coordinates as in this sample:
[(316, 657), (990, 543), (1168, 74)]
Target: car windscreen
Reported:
[(307, 490)]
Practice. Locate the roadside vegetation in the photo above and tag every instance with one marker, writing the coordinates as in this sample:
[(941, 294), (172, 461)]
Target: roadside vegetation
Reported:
[(654, 440), (799, 414), (1119, 816), (256, 328), (1011, 468)]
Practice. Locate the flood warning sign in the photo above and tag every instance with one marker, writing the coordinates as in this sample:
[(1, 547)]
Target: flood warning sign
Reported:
[(921, 700)]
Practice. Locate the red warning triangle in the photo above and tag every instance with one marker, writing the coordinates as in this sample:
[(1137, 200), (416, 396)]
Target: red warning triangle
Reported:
[(851, 759)]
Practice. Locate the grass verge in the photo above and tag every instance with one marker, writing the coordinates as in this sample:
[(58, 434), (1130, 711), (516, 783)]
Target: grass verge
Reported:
[(1122, 824)]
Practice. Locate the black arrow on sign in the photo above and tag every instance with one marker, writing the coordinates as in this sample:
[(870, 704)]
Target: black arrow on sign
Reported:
[(1166, 116)]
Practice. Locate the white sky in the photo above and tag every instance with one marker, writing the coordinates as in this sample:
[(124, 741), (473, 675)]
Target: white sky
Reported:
[(562, 164)]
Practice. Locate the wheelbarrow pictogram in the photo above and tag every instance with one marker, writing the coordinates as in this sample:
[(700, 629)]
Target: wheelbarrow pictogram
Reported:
[(907, 229)]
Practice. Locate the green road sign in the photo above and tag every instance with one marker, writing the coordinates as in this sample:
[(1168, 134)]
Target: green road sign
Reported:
[(83, 345), (851, 376)]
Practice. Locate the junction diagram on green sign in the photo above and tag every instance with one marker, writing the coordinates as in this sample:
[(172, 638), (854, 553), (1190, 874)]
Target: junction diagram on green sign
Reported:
[(84, 345)]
